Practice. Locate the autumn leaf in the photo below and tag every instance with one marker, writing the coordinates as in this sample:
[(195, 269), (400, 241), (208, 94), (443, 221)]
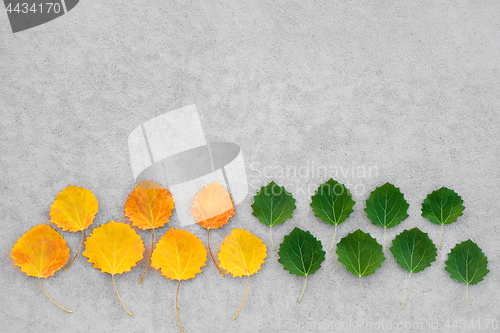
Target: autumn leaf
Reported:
[(212, 207), (242, 253), (179, 255), (467, 264), (74, 210), (301, 254), (149, 206), (442, 206), (386, 207), (41, 252), (114, 248), (332, 203), (273, 205), (361, 254), (414, 251)]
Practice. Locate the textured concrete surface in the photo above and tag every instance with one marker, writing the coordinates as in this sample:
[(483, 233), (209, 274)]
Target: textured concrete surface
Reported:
[(371, 91)]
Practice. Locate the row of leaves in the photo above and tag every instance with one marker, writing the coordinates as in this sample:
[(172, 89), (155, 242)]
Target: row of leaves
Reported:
[(332, 203), (115, 248)]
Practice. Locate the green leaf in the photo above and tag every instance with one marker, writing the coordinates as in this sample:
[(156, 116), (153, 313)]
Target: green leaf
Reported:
[(273, 205), (386, 206), (361, 254), (332, 203), (467, 264), (414, 251), (442, 207), (301, 254)]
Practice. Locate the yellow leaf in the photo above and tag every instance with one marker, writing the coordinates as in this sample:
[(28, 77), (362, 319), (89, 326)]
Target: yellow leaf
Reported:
[(114, 248), (149, 206), (242, 253), (41, 252), (74, 210), (179, 255)]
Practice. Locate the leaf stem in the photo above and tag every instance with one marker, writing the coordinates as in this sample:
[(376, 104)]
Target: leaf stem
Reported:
[(248, 285), (150, 254), (51, 297), (177, 306), (304, 288), (406, 289), (384, 237), (271, 234), (81, 241), (209, 250), (440, 235), (113, 276), (361, 287), (334, 234), (466, 295)]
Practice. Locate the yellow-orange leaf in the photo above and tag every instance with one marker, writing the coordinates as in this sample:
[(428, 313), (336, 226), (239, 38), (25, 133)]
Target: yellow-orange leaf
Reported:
[(41, 252), (179, 254), (114, 248), (212, 206), (242, 253), (74, 209), (149, 205)]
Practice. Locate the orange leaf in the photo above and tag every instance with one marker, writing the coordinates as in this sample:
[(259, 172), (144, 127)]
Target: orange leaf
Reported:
[(114, 248), (212, 206), (179, 255), (74, 210), (41, 252), (149, 206), (242, 253)]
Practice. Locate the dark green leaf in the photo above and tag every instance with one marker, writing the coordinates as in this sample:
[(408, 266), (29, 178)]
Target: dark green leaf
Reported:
[(414, 251), (442, 207), (332, 203), (301, 254), (467, 264), (386, 206), (273, 205), (360, 253)]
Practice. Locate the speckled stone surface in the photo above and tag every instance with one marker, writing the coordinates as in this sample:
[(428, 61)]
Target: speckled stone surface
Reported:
[(365, 92)]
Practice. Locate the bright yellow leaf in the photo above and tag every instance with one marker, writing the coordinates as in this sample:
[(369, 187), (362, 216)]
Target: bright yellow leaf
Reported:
[(114, 248), (242, 253), (179, 255), (74, 210), (149, 206), (41, 252)]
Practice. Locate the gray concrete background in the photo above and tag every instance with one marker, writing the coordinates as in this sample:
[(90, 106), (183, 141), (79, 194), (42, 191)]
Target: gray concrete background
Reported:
[(409, 89)]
